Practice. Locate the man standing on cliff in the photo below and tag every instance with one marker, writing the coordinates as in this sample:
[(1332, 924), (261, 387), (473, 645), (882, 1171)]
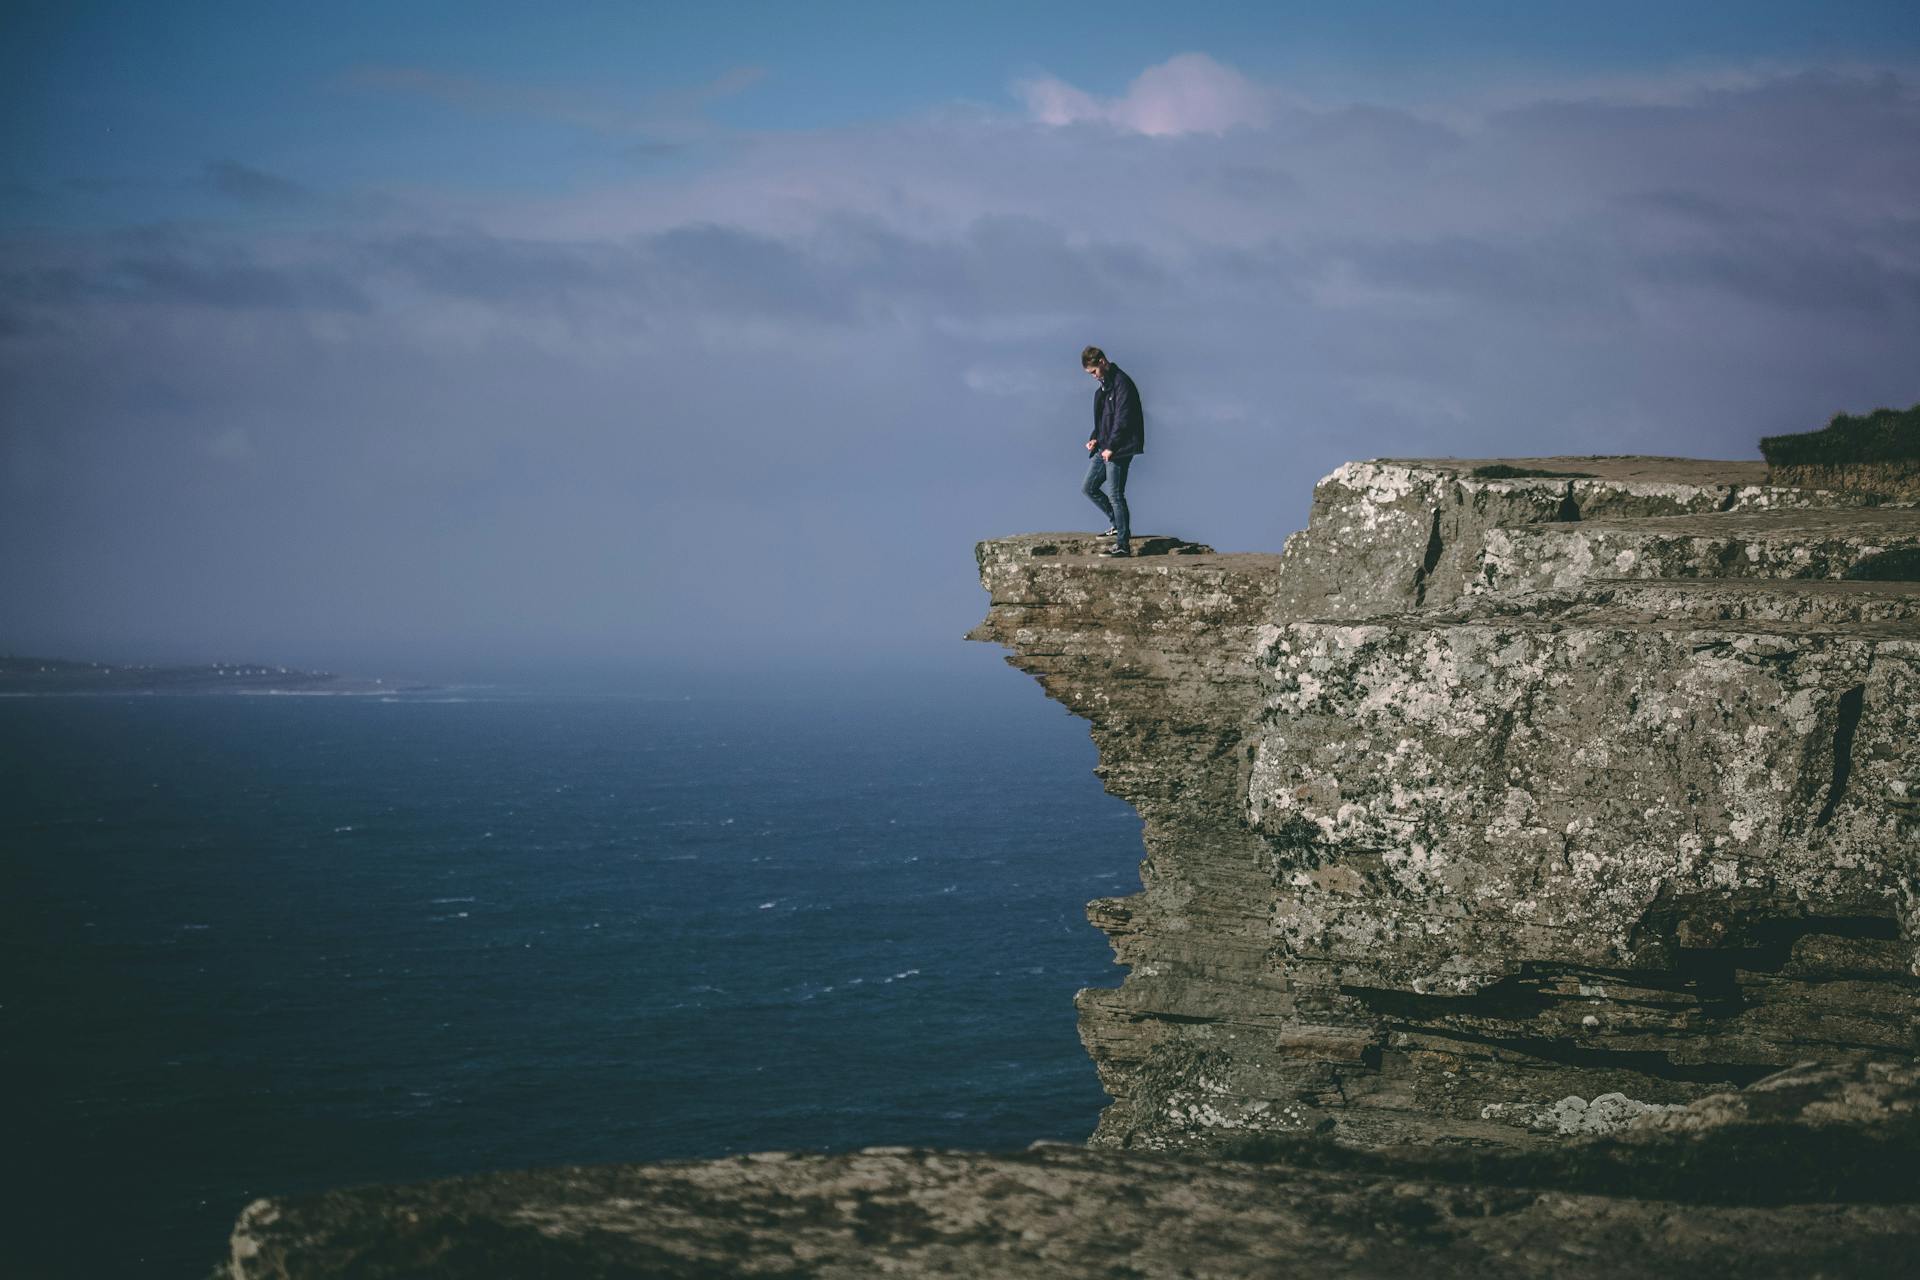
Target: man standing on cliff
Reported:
[(1119, 436)]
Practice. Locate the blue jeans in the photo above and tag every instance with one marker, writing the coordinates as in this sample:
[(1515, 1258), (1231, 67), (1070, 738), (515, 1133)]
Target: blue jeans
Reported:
[(1098, 471)]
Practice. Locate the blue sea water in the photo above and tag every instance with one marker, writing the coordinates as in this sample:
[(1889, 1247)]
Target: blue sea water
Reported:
[(262, 945)]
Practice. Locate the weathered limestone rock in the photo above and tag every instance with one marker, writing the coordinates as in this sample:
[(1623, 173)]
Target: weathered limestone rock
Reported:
[(1502, 806), (1724, 1187), (1402, 533), (1654, 857), (1827, 543), (1816, 602), (1156, 652)]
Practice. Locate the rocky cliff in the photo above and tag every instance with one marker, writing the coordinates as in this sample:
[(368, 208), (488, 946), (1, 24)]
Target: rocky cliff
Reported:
[(1514, 799), (1506, 836)]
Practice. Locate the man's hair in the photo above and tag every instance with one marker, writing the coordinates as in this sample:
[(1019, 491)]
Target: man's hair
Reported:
[(1091, 357)]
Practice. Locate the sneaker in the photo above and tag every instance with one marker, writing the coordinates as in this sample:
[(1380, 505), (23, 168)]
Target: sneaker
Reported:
[(1115, 553), (1108, 532)]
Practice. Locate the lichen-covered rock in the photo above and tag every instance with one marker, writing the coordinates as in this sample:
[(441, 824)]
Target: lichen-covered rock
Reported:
[(1428, 787), (1872, 1103), (1396, 534), (1437, 851), (1608, 1113), (1802, 544), (1820, 603)]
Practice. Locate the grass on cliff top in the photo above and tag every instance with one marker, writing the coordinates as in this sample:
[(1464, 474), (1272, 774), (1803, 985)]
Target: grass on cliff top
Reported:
[(1885, 435)]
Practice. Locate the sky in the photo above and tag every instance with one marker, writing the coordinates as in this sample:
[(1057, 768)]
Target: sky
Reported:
[(452, 341)]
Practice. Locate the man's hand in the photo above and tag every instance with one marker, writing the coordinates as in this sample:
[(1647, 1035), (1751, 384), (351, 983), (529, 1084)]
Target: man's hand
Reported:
[(1090, 445), (1107, 454)]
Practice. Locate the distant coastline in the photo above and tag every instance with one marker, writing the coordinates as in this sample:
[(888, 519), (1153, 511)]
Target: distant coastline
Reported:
[(25, 677)]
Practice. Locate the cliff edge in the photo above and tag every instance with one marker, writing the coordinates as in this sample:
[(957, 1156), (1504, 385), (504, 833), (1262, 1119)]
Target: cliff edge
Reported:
[(1529, 890), (1515, 799)]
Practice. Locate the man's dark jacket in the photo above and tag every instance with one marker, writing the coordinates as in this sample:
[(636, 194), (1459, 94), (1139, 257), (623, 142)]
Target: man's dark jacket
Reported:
[(1119, 423)]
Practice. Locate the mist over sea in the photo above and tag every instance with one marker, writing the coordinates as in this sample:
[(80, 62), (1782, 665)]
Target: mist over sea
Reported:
[(259, 945)]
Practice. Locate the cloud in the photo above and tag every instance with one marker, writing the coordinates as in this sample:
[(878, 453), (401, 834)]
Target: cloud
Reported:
[(672, 112), (1007, 381), (709, 404), (1190, 93), (251, 186), (231, 445), (644, 152), (235, 281), (95, 185), (67, 279)]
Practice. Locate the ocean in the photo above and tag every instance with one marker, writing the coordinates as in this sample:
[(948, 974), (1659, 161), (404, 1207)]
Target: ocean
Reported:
[(260, 945)]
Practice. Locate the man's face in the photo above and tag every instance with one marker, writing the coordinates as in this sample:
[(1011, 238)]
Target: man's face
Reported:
[(1098, 370)]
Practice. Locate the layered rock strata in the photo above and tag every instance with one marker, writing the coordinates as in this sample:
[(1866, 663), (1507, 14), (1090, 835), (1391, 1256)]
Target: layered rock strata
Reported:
[(1515, 799), (1393, 534), (1767, 544)]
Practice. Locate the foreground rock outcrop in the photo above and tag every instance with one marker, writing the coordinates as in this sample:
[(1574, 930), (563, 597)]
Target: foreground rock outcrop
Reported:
[(1724, 1187), (1509, 787)]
